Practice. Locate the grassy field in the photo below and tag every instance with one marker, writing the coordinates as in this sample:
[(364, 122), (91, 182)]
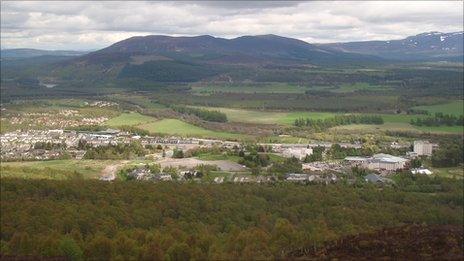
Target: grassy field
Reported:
[(178, 127), (54, 169), (455, 108), (210, 156), (454, 172), (130, 119), (284, 88), (268, 117), (360, 86), (397, 126), (142, 101), (269, 88)]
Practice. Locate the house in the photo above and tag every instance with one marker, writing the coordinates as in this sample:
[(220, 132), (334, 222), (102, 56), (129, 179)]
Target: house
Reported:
[(190, 174), (422, 171), (218, 180), (376, 179), (140, 174), (356, 161), (299, 153), (297, 177), (265, 179), (163, 177), (423, 148)]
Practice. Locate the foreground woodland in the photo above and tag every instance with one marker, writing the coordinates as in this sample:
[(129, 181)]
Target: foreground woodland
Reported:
[(89, 219)]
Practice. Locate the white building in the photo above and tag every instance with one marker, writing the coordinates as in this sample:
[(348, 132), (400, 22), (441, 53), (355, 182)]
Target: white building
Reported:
[(421, 171), (423, 148), (379, 162), (299, 153)]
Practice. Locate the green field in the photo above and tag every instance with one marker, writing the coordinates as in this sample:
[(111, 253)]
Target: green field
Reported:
[(54, 169), (211, 156), (455, 108), (345, 88), (454, 172), (397, 126), (268, 117), (284, 88), (178, 127), (130, 119), (268, 88)]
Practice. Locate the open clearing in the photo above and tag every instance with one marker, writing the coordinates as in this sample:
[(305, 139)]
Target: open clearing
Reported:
[(54, 169), (178, 127), (268, 88), (268, 117), (455, 108), (454, 172), (224, 165), (397, 126), (129, 119)]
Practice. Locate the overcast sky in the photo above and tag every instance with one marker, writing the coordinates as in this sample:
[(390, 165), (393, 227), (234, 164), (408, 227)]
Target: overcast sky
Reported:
[(93, 25)]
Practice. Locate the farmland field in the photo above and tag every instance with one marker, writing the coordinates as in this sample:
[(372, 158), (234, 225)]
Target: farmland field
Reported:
[(398, 126), (54, 169), (455, 108), (178, 127), (268, 117), (453, 172), (344, 88), (130, 119), (269, 88)]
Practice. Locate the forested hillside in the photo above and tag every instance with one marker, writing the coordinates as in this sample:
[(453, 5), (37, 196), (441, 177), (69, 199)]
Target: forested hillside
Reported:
[(140, 221)]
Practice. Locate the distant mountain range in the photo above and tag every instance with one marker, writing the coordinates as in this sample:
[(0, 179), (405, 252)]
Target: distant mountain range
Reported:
[(28, 53), (158, 58), (425, 46)]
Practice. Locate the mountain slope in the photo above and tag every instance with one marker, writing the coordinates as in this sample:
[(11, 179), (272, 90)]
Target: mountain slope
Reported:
[(425, 46), (187, 59), (28, 53)]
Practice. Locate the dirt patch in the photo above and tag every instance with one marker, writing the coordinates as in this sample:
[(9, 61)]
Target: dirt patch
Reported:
[(109, 172), (191, 163), (411, 242)]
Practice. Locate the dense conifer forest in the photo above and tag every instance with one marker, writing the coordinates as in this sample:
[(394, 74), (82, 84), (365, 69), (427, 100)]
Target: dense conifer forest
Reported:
[(89, 219)]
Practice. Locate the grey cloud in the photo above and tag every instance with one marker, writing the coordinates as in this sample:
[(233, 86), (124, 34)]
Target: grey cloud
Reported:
[(91, 25)]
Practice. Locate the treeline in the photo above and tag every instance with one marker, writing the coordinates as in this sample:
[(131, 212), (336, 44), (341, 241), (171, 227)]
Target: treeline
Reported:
[(450, 153), (49, 145), (439, 119), (119, 151), (322, 124), (95, 220), (207, 115)]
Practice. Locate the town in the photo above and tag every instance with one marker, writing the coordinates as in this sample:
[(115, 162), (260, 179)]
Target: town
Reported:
[(177, 153)]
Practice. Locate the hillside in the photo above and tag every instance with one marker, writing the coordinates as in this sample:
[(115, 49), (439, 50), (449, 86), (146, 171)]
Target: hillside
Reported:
[(425, 46), (411, 242), (188, 59)]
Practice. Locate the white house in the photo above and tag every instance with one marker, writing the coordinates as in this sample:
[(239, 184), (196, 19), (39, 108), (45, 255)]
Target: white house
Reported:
[(422, 171)]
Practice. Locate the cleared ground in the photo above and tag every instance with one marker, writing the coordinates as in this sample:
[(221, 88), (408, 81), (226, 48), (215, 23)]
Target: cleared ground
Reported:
[(268, 117), (224, 165), (397, 126), (130, 119), (456, 108), (271, 88), (178, 127), (55, 169)]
